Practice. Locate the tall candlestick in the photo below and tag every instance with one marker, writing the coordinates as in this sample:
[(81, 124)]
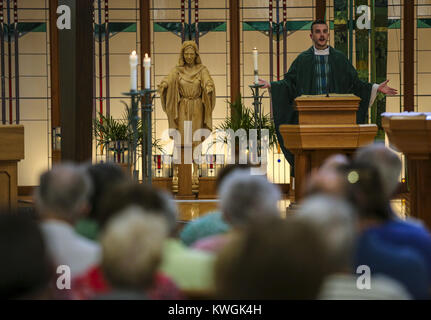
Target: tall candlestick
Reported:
[(133, 59), (147, 67), (256, 74)]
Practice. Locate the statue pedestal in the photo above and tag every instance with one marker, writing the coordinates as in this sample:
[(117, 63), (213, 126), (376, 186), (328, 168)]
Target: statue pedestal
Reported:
[(185, 177), (207, 188)]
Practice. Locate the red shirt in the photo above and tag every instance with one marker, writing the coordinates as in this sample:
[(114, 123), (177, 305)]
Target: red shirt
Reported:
[(93, 283)]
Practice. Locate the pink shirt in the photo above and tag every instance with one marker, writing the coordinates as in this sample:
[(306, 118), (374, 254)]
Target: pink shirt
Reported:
[(212, 243)]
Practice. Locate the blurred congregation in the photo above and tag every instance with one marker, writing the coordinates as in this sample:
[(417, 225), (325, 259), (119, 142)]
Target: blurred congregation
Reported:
[(95, 234)]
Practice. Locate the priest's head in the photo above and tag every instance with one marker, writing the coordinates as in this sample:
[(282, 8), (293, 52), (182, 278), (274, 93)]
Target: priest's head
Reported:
[(319, 34)]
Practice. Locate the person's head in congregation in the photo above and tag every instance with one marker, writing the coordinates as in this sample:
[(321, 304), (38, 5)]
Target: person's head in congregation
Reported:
[(146, 197), (328, 179), (272, 260), (104, 177), (364, 189), (132, 244), (382, 222), (184, 268), (319, 34), (61, 199), (387, 163), (227, 170), (212, 223), (337, 220), (26, 269), (246, 198), (64, 193), (389, 246)]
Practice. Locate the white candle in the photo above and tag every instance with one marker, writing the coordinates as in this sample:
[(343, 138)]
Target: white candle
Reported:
[(256, 75), (133, 59), (147, 67)]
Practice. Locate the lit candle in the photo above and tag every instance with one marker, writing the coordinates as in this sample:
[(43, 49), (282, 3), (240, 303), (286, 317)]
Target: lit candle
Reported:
[(133, 59), (256, 75), (147, 67)]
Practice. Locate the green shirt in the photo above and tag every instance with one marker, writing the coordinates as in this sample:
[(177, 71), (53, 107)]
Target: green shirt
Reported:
[(189, 269), (209, 225), (88, 228)]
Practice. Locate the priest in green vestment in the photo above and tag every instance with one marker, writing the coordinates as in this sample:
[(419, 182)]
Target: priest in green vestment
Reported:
[(319, 70)]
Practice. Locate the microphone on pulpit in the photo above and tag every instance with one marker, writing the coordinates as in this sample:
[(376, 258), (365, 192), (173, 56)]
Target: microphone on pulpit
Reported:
[(327, 91)]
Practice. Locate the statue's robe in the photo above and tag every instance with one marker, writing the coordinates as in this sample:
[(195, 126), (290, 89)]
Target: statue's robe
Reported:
[(186, 91), (301, 80)]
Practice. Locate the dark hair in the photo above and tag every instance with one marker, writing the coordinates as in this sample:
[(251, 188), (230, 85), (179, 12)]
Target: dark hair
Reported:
[(227, 170), (141, 195), (25, 268), (318, 21), (364, 189), (284, 259), (104, 176)]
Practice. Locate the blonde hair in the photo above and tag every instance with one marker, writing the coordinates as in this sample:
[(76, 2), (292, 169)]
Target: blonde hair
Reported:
[(189, 44), (132, 248)]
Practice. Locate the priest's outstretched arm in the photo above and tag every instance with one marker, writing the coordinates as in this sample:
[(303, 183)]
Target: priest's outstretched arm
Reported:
[(382, 87)]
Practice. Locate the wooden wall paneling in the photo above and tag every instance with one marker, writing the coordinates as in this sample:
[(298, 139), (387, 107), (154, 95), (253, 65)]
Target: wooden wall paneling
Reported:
[(234, 33), (409, 50), (76, 82)]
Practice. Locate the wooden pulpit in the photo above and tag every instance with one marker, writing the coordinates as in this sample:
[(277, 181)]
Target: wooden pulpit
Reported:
[(410, 133), (11, 151), (327, 126)]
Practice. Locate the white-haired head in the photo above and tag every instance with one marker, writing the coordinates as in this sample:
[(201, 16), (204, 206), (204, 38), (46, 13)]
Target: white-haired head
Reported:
[(387, 163), (245, 198), (132, 248), (337, 222)]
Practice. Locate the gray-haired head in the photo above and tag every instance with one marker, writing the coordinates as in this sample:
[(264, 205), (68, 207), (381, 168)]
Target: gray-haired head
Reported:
[(64, 191), (387, 163), (337, 222), (245, 198), (132, 244)]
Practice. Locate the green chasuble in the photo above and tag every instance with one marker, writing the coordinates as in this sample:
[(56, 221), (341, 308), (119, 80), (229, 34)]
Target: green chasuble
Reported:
[(301, 80)]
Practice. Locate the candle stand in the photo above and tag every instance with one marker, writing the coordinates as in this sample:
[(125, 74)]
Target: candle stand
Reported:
[(147, 140), (257, 112), (145, 98)]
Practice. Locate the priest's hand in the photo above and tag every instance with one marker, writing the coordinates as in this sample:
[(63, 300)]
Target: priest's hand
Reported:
[(385, 89), (266, 84)]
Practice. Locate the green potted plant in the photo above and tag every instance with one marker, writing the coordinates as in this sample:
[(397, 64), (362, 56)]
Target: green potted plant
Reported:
[(242, 117), (116, 136)]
